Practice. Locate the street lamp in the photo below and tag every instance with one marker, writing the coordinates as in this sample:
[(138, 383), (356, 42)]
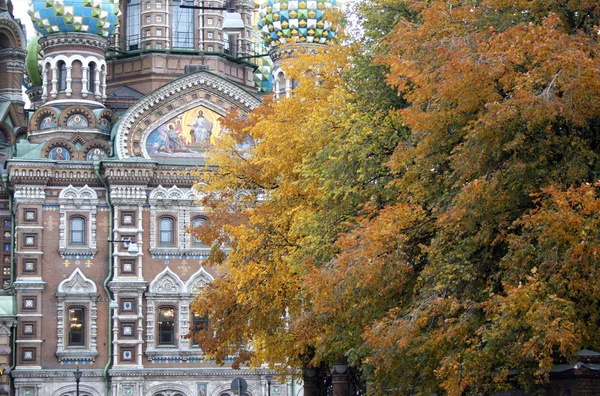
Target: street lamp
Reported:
[(77, 375), (132, 248), (268, 377)]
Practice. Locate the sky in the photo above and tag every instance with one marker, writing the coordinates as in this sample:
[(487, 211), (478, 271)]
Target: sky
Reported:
[(20, 11)]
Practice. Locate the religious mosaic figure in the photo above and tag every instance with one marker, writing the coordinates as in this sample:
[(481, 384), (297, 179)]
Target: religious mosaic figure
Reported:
[(104, 124), (59, 153), (47, 122), (201, 129), (96, 154), (77, 121)]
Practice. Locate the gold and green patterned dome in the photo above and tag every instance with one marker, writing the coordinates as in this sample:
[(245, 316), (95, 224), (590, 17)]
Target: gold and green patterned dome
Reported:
[(285, 20), (83, 16)]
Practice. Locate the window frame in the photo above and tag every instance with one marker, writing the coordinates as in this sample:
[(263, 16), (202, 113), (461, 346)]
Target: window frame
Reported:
[(199, 220), (80, 332), (61, 69), (161, 241), (91, 82), (159, 323), (81, 232), (196, 321)]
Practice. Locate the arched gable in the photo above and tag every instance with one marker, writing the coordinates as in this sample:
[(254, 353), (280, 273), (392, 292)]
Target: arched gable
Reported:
[(181, 195), (197, 281), (204, 91), (78, 196), (167, 282), (11, 34), (169, 389), (78, 284)]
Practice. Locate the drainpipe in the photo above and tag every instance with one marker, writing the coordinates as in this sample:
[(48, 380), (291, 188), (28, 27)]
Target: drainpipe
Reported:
[(97, 166), (12, 276)]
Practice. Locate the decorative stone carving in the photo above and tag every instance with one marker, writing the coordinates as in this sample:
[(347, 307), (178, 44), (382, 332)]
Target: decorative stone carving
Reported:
[(128, 195), (180, 204), (82, 201), (197, 81), (197, 281), (30, 195), (77, 290), (167, 282), (78, 284)]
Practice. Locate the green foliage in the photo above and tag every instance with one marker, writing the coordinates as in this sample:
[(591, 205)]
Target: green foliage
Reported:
[(430, 215)]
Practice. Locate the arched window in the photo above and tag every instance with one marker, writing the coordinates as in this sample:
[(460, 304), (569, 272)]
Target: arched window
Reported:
[(166, 229), (198, 221), (62, 75), (199, 323), (166, 326), (77, 231), (92, 77), (76, 326)]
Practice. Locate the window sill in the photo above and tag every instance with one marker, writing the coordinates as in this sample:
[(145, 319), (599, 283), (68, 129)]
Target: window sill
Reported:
[(72, 354), (166, 352), (82, 252), (176, 252)]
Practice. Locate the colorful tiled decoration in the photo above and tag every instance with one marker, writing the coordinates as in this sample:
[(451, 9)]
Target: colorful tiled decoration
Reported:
[(86, 16), (282, 20), (263, 77)]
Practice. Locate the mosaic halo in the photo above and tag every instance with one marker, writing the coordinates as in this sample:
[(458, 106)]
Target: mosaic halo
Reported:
[(83, 16), (283, 20)]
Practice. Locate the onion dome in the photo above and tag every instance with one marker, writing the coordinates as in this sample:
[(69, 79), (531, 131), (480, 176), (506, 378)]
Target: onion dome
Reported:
[(263, 75), (33, 76), (82, 16), (285, 20)]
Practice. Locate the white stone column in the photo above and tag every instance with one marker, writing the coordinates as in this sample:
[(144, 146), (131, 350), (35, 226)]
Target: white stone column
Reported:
[(85, 70), (68, 89), (45, 82), (97, 93), (103, 84), (140, 327), (54, 91), (138, 241)]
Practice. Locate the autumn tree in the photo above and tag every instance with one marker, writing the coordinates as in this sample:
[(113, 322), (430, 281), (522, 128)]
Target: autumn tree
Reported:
[(430, 215)]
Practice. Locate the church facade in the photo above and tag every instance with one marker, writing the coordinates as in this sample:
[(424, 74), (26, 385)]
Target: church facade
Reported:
[(98, 186)]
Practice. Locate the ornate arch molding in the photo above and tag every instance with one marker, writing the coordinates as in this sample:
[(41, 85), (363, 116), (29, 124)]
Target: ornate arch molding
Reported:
[(163, 196), (42, 113), (59, 142), (7, 131), (11, 29), (109, 114), (101, 144), (77, 109), (70, 390), (198, 89), (165, 290), (179, 204), (169, 390), (81, 202), (227, 389), (197, 281), (167, 282), (77, 291)]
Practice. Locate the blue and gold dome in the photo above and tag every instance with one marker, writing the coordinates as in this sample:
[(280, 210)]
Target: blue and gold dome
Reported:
[(285, 20), (83, 16)]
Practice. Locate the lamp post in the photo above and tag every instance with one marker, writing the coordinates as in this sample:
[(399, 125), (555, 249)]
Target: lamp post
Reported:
[(268, 377), (77, 373), (132, 247)]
